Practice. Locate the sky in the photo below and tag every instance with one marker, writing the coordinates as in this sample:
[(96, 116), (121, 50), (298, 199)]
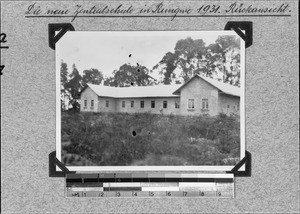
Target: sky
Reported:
[(108, 50)]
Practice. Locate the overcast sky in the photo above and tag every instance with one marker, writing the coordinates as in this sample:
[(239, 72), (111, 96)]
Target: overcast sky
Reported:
[(107, 51)]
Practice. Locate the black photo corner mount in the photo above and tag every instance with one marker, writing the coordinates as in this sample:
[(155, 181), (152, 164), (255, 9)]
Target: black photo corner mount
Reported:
[(53, 162), (247, 36), (247, 161), (62, 28), (238, 27)]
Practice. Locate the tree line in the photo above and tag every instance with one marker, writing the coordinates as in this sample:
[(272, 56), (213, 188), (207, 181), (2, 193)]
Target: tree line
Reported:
[(220, 60)]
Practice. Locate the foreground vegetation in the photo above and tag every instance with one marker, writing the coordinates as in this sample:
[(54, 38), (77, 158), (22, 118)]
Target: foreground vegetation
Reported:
[(122, 139)]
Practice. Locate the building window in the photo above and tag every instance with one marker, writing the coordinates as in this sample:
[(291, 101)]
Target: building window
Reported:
[(85, 103), (123, 104), (191, 104), (177, 104), (92, 104), (142, 104), (107, 103), (204, 103), (152, 104), (165, 104), (132, 104)]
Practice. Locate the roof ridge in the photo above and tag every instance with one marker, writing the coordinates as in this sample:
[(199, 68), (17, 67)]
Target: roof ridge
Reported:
[(216, 81), (136, 85), (224, 87), (161, 90)]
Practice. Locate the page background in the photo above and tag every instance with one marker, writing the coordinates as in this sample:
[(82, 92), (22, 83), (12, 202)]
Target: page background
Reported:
[(28, 116)]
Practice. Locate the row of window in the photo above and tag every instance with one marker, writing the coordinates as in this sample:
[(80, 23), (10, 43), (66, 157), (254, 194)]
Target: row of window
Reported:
[(142, 104), (191, 104)]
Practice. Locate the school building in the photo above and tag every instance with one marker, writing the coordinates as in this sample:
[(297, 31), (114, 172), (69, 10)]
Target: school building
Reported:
[(200, 95)]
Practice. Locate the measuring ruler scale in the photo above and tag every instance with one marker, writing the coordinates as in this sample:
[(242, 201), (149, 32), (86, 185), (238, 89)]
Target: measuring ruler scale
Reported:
[(149, 185)]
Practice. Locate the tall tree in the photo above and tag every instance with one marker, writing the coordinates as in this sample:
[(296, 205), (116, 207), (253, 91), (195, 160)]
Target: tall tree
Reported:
[(231, 58), (219, 60), (63, 81), (93, 76), (74, 86), (128, 75), (166, 67), (182, 63)]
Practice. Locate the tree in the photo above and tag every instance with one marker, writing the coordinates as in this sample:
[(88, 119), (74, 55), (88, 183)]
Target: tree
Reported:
[(73, 83), (63, 81), (220, 60), (231, 56), (74, 86), (223, 58), (167, 65), (187, 53), (128, 75), (93, 76)]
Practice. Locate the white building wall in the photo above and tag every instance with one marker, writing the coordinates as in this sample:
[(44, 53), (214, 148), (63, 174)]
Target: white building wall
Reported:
[(198, 89), (88, 95), (106, 104)]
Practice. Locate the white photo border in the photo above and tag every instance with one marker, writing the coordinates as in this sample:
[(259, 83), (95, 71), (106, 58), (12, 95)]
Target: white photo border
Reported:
[(200, 168)]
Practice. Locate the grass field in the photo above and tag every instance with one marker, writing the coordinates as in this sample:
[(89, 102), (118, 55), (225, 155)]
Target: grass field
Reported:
[(141, 139)]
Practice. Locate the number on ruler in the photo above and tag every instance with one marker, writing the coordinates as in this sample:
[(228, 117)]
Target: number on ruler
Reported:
[(83, 194), (151, 193), (184, 193), (201, 193), (134, 193), (219, 193), (101, 194), (118, 194), (75, 194), (169, 194)]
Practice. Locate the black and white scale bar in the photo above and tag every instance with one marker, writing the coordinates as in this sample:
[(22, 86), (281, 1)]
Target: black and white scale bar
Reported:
[(127, 177), (150, 185)]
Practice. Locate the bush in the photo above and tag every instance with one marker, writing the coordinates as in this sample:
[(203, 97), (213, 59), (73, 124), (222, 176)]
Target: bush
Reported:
[(106, 139)]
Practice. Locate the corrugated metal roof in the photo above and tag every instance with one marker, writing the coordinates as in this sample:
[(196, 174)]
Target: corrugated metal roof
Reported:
[(158, 90), (224, 87), (135, 91)]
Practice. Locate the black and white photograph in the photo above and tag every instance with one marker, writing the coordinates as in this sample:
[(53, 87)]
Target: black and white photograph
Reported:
[(150, 100)]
